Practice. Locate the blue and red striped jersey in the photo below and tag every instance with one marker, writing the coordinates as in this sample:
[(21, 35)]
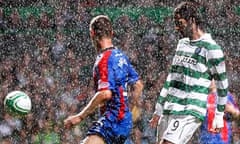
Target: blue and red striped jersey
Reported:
[(113, 71)]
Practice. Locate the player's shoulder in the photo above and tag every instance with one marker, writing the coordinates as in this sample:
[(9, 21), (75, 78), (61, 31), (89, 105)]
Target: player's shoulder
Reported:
[(207, 42), (184, 40), (110, 52), (117, 53)]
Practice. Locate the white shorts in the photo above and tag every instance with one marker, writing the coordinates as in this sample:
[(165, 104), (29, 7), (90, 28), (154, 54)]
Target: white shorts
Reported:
[(177, 129)]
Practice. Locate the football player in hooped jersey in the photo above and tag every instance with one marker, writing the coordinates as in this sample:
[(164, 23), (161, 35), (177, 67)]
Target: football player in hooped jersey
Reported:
[(182, 103), (112, 74)]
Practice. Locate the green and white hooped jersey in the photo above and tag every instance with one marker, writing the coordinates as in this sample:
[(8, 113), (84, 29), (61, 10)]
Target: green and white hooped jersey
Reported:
[(194, 65)]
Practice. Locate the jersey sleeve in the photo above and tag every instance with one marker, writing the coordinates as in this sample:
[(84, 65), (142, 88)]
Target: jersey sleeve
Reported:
[(218, 71), (132, 74), (164, 91)]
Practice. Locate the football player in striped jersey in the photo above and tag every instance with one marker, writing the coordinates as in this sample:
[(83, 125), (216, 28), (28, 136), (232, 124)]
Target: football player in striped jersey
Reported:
[(182, 103)]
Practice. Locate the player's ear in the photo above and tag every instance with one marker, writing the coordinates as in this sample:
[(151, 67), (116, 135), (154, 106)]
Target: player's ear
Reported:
[(92, 33), (192, 20)]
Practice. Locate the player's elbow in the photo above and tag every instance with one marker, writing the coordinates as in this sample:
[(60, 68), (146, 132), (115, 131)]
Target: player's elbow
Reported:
[(107, 95)]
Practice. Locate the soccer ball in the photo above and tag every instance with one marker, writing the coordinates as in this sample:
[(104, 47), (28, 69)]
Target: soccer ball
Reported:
[(17, 103)]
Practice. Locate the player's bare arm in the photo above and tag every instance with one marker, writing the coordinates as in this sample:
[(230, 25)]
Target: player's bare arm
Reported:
[(137, 92), (98, 99)]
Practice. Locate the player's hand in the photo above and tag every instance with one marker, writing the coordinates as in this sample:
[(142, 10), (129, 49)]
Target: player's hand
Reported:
[(71, 121), (154, 121)]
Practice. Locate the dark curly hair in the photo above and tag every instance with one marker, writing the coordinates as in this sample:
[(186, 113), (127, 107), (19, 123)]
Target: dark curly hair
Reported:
[(190, 10)]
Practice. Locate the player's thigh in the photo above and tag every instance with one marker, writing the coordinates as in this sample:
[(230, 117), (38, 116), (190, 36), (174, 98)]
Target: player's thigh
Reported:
[(179, 129), (166, 142), (93, 139)]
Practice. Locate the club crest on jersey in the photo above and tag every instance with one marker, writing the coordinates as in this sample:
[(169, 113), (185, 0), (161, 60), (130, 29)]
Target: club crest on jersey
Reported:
[(121, 62), (197, 50)]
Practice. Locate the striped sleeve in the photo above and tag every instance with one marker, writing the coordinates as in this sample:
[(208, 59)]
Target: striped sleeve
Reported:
[(218, 71), (164, 91)]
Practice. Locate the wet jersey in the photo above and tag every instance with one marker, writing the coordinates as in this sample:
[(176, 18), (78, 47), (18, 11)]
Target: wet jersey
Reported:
[(195, 64), (113, 71), (225, 136)]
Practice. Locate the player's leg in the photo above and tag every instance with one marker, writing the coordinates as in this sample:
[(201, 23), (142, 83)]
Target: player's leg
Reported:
[(166, 142), (93, 139)]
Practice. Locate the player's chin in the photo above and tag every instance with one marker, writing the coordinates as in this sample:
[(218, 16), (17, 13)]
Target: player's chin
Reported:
[(180, 34), (184, 34)]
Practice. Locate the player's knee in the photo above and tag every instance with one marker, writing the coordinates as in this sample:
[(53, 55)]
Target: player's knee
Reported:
[(166, 142)]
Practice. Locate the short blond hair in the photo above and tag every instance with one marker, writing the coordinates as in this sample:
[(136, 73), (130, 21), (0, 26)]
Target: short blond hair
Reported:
[(101, 26)]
